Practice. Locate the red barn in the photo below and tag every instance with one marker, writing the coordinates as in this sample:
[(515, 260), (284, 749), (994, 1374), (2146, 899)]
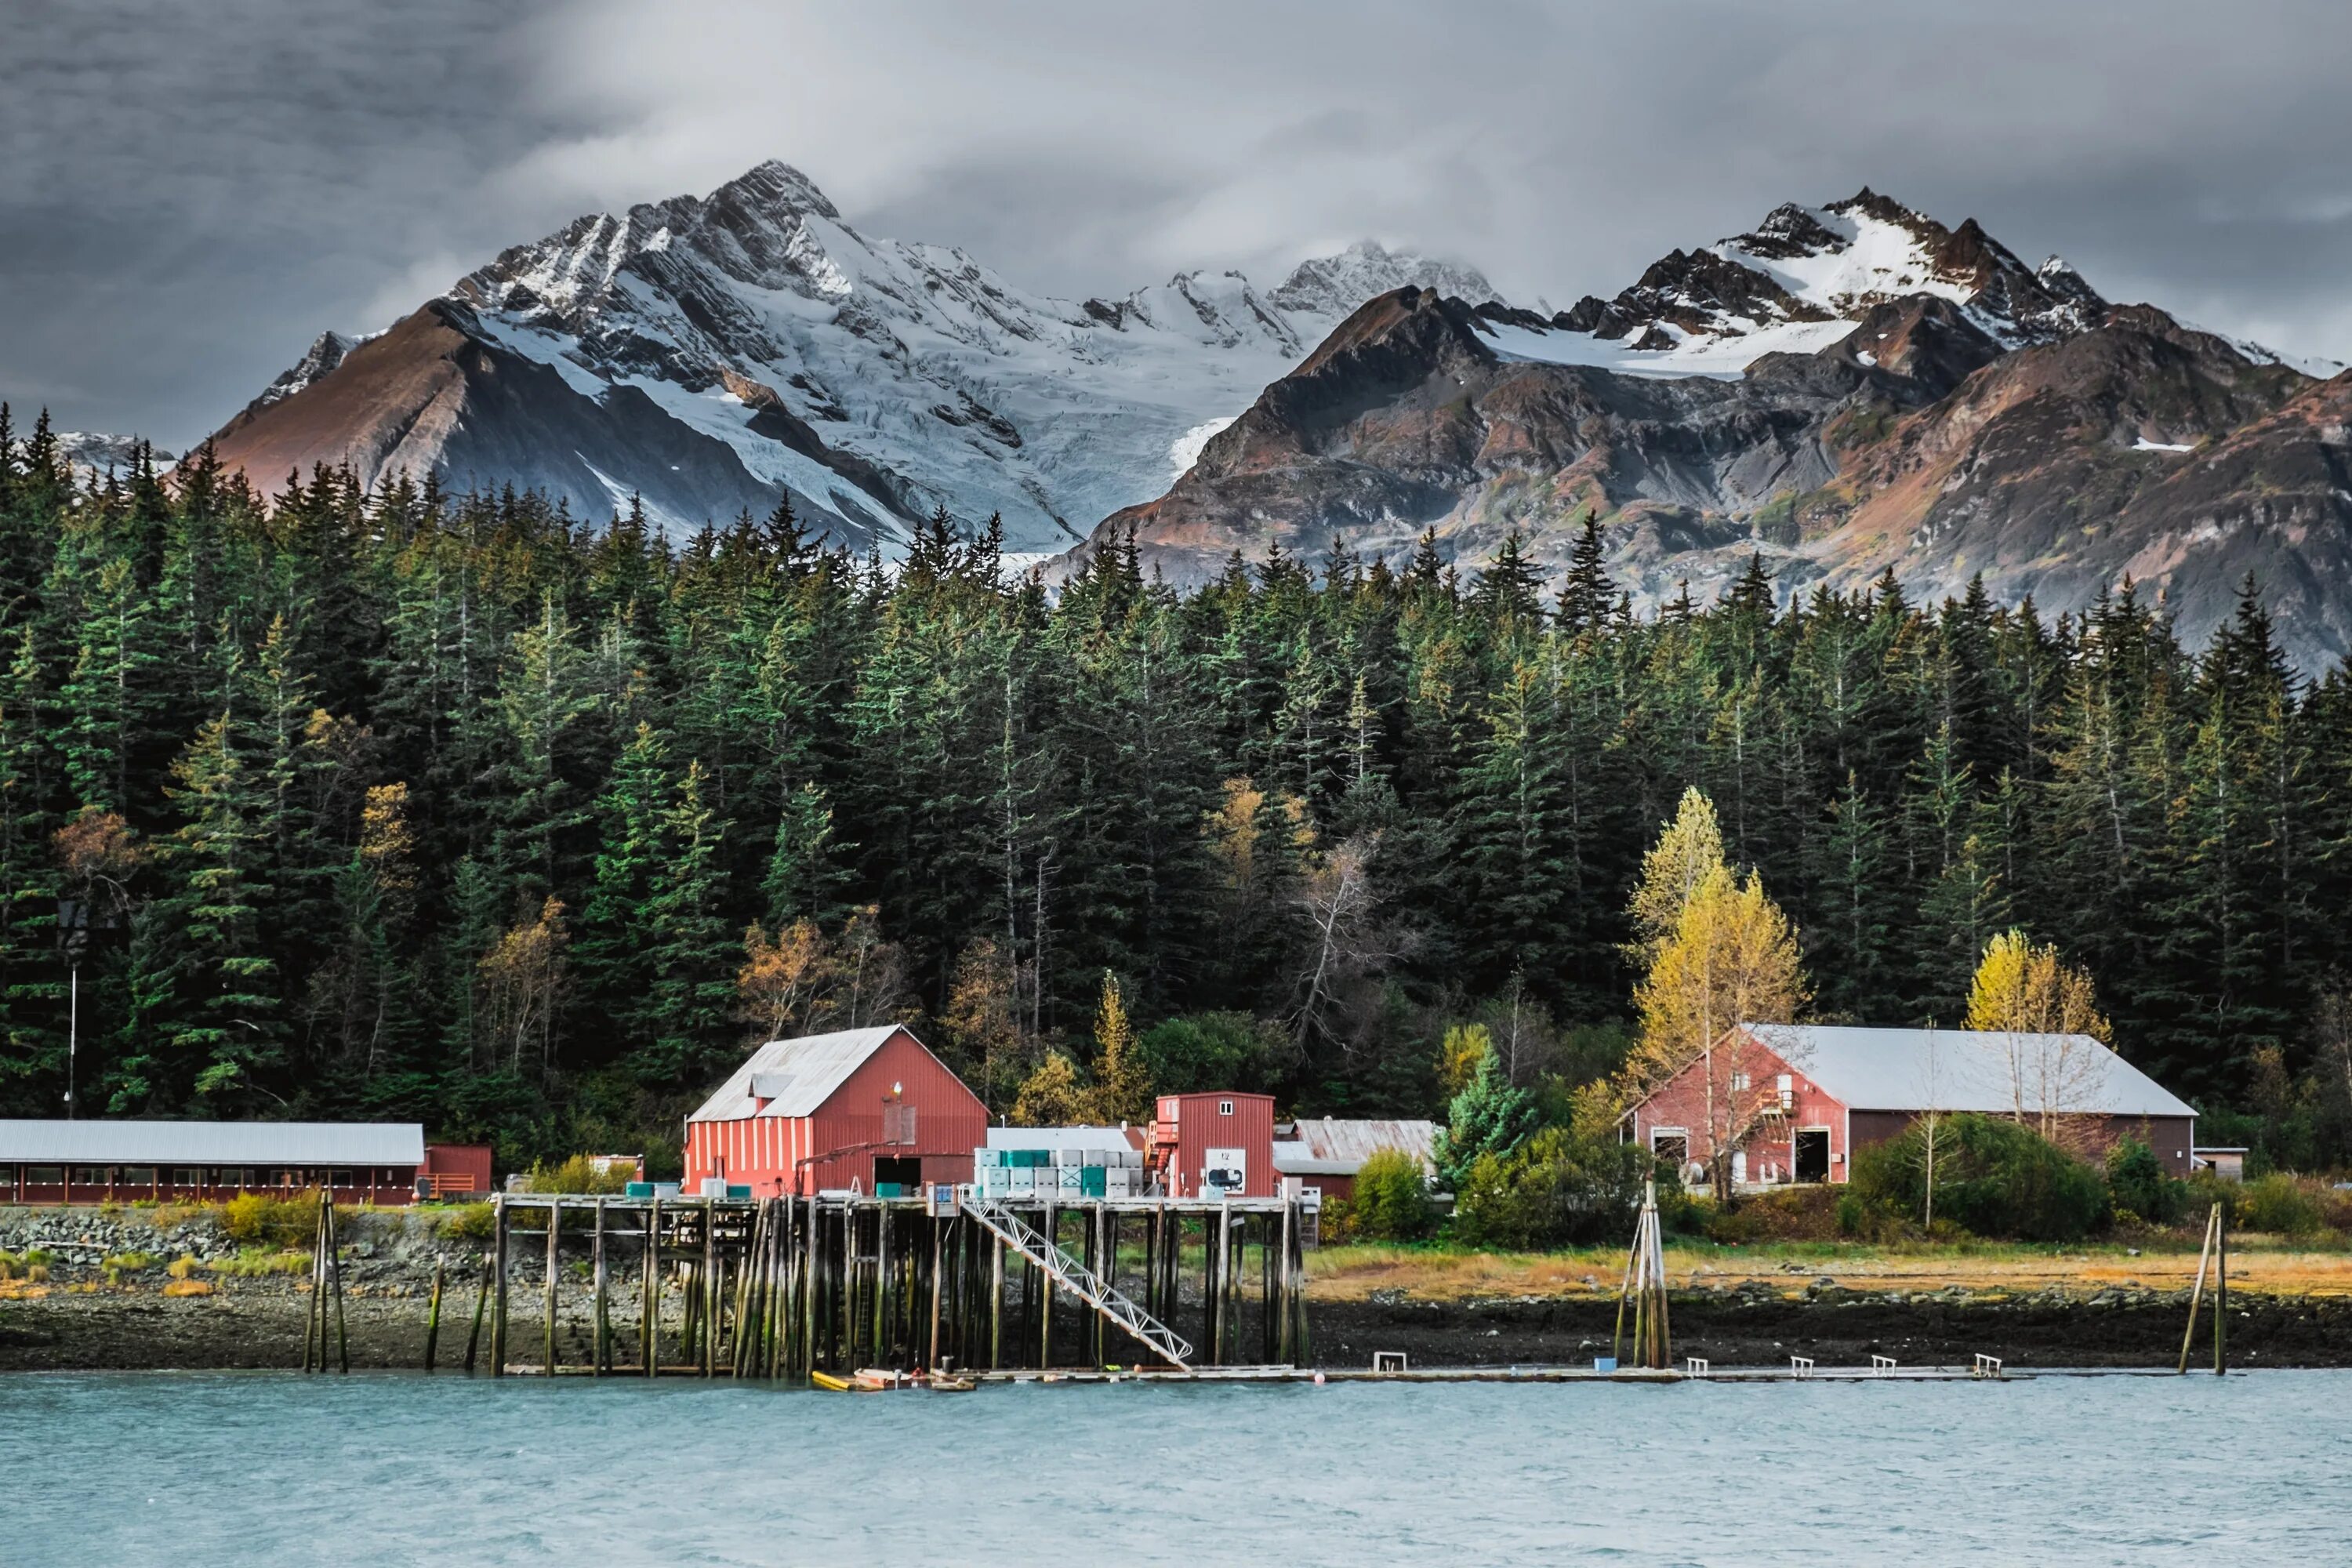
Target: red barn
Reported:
[(825, 1111), (1800, 1099), (1204, 1145)]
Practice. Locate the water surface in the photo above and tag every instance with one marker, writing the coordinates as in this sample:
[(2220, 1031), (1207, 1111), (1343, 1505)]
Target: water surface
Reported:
[(125, 1469)]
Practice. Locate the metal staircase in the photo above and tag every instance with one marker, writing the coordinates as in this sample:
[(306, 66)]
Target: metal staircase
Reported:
[(1078, 1279)]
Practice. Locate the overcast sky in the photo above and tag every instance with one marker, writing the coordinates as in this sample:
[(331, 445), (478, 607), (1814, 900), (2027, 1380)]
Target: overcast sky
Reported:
[(191, 193)]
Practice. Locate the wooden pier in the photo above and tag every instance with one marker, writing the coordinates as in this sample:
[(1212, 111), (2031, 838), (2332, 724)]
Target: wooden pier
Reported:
[(778, 1289)]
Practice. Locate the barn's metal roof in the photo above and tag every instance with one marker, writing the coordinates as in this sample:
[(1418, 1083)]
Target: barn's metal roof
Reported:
[(795, 1077), (1292, 1157), (1962, 1069), (1339, 1147), (256, 1143)]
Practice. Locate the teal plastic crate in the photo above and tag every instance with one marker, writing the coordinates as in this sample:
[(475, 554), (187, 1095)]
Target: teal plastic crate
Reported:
[(638, 1190), (889, 1189), (1093, 1182)]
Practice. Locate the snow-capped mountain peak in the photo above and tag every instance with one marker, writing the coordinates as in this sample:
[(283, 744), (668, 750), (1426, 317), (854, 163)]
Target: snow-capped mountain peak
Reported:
[(1798, 282), (712, 352)]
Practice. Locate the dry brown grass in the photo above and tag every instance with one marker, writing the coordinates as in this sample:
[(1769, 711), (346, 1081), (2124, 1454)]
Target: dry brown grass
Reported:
[(1353, 1273), (189, 1287)]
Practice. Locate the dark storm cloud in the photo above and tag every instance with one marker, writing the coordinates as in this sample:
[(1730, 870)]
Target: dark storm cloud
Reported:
[(191, 193)]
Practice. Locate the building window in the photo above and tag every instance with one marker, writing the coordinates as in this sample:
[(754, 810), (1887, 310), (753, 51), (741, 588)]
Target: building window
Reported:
[(44, 1175), (1739, 1082), (137, 1175), (1671, 1145), (185, 1178), (89, 1175), (1224, 1107)]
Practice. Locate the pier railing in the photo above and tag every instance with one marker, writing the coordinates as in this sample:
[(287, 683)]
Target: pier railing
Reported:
[(1081, 1281)]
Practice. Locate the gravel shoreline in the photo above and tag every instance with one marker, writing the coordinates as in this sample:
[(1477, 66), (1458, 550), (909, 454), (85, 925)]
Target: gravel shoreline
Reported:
[(86, 1317)]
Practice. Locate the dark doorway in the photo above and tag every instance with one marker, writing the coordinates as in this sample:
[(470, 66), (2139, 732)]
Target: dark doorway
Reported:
[(907, 1170), (1813, 1154)]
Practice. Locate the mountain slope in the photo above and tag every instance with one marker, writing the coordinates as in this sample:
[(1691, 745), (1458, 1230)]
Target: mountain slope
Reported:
[(707, 353), (1993, 419)]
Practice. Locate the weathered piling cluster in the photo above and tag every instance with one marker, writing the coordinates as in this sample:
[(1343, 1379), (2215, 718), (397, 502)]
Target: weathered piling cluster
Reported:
[(781, 1288)]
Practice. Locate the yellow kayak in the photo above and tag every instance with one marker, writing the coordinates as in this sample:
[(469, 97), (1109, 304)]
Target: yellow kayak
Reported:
[(838, 1384)]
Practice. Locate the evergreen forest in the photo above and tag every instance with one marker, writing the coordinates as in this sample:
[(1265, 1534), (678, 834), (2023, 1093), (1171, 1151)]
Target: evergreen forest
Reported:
[(391, 803)]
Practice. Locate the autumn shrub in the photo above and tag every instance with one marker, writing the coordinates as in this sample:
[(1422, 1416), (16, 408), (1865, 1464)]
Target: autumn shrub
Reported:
[(1557, 1190), (257, 1219), (470, 1222), (182, 1268), (253, 1262), (1805, 1213), (2279, 1203), (580, 1175), (1391, 1201), (1993, 1177)]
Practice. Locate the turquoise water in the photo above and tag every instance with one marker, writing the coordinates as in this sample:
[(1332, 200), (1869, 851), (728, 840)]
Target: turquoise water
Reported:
[(121, 1470)]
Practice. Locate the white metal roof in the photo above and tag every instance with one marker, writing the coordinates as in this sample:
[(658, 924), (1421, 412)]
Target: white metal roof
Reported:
[(256, 1143), (1962, 1069), (1339, 1146), (795, 1077), (1060, 1138)]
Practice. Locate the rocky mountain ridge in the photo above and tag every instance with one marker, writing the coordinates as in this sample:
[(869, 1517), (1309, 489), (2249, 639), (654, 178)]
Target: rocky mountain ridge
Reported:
[(706, 354), (1946, 412)]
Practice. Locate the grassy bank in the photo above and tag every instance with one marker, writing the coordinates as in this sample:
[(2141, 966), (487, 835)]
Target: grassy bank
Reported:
[(2270, 1263)]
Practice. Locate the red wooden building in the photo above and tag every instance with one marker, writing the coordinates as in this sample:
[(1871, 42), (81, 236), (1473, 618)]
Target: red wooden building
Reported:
[(108, 1161), (1808, 1096), (1204, 1145), (823, 1112)]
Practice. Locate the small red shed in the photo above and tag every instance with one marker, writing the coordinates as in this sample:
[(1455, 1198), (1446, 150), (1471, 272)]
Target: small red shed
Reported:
[(1219, 1143), (452, 1169), (824, 1111)]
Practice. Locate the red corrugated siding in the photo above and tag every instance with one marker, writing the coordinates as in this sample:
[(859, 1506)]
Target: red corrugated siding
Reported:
[(1198, 1128), (762, 1152)]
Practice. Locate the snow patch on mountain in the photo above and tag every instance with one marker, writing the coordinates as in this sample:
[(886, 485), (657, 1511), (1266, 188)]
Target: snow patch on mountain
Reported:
[(94, 453), (1185, 450), (1723, 355), (1334, 285)]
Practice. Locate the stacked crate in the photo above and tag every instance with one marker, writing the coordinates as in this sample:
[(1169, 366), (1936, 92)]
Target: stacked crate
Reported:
[(1063, 1175)]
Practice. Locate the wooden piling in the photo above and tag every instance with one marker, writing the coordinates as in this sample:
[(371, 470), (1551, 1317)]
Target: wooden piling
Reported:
[(808, 1291), (601, 1330), (706, 1343), (499, 1224), (2221, 1290), (481, 1301), (2197, 1289), (938, 1237), (996, 1303), (554, 1237), (433, 1315), (1046, 1289), (649, 1294), (335, 1270)]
